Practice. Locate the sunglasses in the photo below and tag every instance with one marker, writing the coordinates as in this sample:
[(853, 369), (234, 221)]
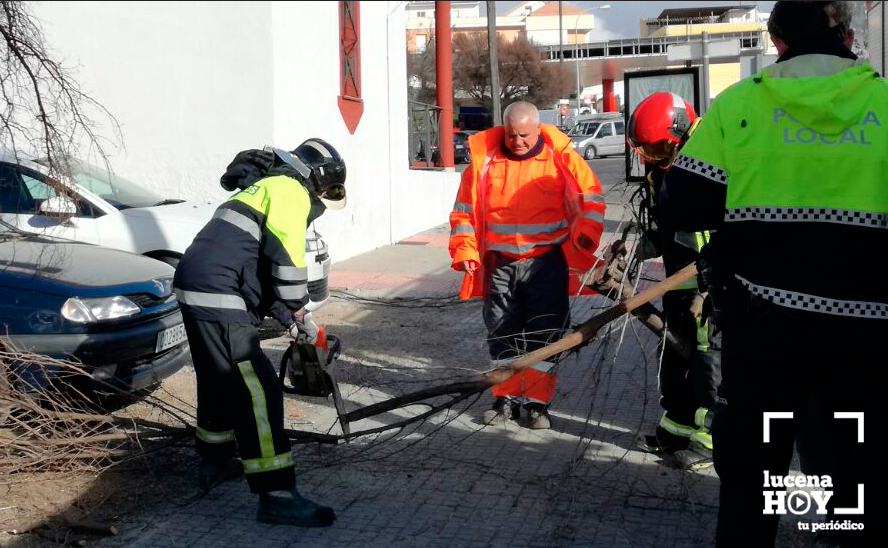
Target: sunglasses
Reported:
[(657, 151)]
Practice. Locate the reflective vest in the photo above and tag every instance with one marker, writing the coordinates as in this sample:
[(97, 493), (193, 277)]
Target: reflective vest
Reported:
[(249, 260), (523, 208), (800, 153)]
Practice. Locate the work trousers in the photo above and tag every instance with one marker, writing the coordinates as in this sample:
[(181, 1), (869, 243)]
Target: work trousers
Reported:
[(526, 307), (689, 384), (775, 359), (240, 405)]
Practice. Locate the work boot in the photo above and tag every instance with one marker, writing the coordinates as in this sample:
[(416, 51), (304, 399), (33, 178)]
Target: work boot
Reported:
[(496, 415), (212, 472), (291, 508), (695, 457), (663, 442), (538, 416)]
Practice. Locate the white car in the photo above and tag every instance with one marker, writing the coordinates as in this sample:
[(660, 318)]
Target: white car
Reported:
[(108, 210)]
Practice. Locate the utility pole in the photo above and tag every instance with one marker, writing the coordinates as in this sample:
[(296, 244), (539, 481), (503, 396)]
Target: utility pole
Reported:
[(492, 42), (577, 61), (560, 57), (705, 79)]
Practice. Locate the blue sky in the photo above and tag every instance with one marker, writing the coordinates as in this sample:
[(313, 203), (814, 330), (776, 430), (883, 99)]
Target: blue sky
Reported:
[(621, 20)]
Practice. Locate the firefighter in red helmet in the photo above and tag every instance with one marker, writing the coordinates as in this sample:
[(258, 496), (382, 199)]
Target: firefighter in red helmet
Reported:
[(657, 129)]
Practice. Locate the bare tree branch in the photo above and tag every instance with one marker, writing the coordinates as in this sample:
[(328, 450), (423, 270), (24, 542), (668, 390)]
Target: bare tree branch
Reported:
[(44, 114)]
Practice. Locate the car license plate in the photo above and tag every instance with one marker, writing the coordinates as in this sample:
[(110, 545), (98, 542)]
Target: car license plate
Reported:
[(459, 147), (170, 337)]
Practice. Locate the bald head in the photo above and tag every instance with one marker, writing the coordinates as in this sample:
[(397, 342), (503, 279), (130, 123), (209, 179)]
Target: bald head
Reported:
[(522, 124), (520, 111)]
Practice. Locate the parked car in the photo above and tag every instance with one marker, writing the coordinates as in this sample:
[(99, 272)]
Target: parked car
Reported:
[(461, 154), (111, 211), (597, 135), (111, 310)]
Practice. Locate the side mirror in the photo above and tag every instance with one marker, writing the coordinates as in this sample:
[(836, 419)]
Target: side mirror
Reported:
[(58, 206)]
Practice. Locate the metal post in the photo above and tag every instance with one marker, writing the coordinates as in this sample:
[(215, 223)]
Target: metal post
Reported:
[(705, 79), (492, 42), (560, 40), (560, 59), (577, 62), (444, 74)]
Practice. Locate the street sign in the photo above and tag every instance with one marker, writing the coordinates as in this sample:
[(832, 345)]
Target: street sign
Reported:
[(693, 51)]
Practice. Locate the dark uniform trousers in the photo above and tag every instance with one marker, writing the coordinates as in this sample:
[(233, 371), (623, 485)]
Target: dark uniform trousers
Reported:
[(688, 384), (239, 402), (775, 359), (527, 304)]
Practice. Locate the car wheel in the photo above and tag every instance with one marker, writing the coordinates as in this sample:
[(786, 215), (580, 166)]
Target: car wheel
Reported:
[(589, 153), (168, 259)]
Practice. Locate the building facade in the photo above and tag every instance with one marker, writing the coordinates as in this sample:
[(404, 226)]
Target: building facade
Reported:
[(537, 21)]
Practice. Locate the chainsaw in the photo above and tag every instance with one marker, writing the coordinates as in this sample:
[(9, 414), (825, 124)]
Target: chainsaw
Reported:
[(310, 369)]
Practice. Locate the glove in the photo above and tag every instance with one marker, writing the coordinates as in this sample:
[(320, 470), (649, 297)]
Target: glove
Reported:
[(707, 270), (302, 323)]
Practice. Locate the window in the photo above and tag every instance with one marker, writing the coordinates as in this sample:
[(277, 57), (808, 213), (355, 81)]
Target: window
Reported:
[(420, 15), (620, 130), (605, 131), (24, 194), (422, 41), (351, 106)]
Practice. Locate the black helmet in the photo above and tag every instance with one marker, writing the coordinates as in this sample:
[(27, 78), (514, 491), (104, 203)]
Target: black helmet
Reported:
[(323, 168)]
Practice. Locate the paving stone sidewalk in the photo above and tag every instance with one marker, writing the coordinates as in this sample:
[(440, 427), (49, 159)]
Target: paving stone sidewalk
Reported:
[(451, 481)]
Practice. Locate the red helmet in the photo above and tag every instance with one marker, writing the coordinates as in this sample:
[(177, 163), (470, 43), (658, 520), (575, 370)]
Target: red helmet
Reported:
[(658, 125)]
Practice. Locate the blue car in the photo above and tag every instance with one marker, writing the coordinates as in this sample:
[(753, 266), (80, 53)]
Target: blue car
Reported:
[(111, 310)]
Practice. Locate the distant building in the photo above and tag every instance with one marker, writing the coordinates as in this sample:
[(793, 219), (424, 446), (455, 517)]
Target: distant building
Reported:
[(713, 20), (693, 21), (537, 21)]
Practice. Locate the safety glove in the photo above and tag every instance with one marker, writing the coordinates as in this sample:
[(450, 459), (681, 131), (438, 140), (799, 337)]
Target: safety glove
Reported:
[(706, 280), (302, 323)]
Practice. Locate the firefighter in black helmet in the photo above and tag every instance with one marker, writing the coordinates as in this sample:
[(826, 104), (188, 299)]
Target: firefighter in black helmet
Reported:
[(248, 262)]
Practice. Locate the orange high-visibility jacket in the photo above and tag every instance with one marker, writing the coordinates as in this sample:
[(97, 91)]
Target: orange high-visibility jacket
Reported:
[(523, 208)]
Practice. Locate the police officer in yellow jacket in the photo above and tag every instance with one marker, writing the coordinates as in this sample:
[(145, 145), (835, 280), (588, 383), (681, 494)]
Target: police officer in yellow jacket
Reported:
[(246, 263), (790, 165)]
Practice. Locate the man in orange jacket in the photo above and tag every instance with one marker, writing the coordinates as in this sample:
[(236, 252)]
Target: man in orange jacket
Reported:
[(528, 212)]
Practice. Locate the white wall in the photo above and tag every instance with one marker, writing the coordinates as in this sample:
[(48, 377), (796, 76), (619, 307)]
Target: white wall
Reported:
[(387, 201), (189, 83), (192, 83)]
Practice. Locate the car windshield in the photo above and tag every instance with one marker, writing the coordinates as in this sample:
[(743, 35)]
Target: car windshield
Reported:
[(584, 128), (117, 191)]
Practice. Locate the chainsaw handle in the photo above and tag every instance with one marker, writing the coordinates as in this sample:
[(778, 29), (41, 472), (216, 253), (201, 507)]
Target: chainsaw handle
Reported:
[(285, 362)]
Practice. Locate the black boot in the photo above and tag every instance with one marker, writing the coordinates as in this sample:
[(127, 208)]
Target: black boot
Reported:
[(496, 415), (212, 472), (291, 508), (538, 416), (663, 442)]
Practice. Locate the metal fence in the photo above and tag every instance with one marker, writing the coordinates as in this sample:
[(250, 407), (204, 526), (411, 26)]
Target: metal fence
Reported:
[(424, 135)]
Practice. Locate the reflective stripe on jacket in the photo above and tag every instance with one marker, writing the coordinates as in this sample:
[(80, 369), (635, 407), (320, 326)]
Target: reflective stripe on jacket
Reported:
[(523, 208)]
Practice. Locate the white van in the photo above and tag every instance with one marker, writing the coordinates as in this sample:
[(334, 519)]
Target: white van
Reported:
[(598, 135)]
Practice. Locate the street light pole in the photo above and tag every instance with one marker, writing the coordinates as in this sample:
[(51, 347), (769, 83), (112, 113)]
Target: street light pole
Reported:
[(492, 41), (577, 51), (577, 62)]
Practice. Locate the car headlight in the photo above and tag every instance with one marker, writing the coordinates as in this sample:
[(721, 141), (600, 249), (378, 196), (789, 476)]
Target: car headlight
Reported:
[(96, 310)]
